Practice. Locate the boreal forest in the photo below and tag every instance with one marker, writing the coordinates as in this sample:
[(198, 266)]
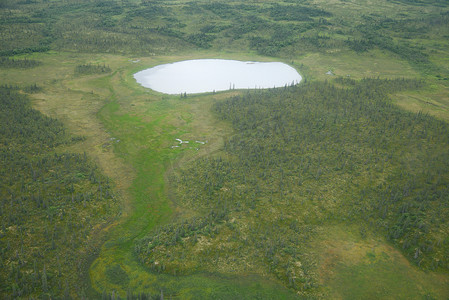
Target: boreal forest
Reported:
[(334, 187)]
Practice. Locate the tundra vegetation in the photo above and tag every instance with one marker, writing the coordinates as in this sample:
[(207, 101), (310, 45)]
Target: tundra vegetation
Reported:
[(335, 188)]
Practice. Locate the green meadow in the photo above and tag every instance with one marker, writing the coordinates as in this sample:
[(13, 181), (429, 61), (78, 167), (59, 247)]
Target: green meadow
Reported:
[(333, 189)]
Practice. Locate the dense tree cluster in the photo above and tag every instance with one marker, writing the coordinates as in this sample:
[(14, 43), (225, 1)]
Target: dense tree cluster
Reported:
[(272, 29), (50, 202), (89, 69), (301, 156), (383, 33), (6, 62), (144, 27), (347, 131), (296, 12)]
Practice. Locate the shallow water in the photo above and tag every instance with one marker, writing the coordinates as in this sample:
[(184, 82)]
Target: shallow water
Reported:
[(209, 75)]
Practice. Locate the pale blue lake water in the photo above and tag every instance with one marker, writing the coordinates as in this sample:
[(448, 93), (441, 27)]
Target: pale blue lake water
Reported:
[(208, 75)]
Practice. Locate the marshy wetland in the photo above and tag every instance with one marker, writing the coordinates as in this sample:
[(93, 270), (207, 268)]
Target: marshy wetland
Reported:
[(334, 188)]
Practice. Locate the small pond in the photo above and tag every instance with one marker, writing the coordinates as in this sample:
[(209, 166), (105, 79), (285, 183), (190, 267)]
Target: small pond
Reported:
[(209, 75)]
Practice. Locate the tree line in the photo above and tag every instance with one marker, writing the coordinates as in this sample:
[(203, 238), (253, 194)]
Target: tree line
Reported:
[(6, 62), (50, 202), (303, 157), (90, 69)]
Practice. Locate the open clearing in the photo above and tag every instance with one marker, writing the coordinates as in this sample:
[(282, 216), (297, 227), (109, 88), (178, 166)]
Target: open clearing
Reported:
[(129, 131)]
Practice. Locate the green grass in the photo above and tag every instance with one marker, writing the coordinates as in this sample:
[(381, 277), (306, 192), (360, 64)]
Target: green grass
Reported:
[(276, 186), (380, 276), (57, 200), (146, 124), (367, 267), (145, 144), (129, 130)]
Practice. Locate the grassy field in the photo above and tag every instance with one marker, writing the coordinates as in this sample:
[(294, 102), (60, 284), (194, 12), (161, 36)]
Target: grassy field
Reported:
[(128, 132)]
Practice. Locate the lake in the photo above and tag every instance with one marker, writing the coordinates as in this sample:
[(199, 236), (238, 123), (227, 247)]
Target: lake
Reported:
[(209, 75)]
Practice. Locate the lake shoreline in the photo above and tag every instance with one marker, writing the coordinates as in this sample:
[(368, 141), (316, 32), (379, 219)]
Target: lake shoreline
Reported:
[(214, 75)]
